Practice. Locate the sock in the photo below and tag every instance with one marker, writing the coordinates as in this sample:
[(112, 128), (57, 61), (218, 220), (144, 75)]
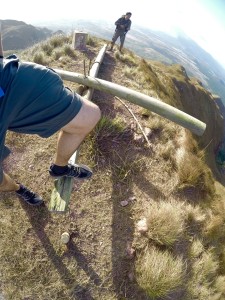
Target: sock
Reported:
[(21, 189), (58, 170)]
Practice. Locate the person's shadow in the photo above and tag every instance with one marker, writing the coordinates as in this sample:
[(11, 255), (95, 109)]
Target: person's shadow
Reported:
[(39, 217)]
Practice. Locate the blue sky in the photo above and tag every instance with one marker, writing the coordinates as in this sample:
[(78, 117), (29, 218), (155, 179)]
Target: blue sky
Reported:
[(201, 20)]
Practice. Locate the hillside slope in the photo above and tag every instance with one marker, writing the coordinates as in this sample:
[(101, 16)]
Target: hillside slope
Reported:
[(146, 208), (159, 46)]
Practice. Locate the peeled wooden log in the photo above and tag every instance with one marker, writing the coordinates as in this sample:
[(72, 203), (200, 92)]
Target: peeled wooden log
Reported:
[(165, 110)]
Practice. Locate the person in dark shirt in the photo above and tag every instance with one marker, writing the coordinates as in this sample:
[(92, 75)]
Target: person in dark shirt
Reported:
[(34, 100), (123, 25)]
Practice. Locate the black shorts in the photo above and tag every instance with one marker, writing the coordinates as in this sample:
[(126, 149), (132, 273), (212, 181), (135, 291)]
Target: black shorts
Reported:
[(41, 104), (36, 102)]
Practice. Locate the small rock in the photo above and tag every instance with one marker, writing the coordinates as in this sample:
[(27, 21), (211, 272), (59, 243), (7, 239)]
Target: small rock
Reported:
[(147, 131), (130, 252), (124, 203), (131, 276), (138, 138), (142, 226)]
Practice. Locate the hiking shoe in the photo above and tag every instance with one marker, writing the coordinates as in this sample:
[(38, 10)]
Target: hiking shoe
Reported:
[(29, 196), (76, 171)]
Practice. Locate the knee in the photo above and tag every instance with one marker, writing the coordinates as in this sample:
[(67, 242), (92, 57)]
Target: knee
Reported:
[(86, 119), (97, 114), (93, 118)]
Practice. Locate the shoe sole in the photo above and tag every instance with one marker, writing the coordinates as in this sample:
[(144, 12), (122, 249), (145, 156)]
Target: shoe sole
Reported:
[(37, 204), (64, 176)]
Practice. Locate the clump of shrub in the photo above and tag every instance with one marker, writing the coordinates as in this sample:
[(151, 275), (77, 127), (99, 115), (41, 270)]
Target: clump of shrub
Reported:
[(47, 48), (159, 273), (58, 40), (126, 58), (203, 275), (193, 172), (91, 41), (40, 58), (69, 51), (164, 222), (57, 53)]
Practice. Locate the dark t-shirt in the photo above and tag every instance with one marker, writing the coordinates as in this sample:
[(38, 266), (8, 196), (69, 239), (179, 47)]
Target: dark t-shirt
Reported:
[(125, 22)]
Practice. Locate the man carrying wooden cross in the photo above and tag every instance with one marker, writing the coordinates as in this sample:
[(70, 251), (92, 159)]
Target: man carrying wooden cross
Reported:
[(33, 100)]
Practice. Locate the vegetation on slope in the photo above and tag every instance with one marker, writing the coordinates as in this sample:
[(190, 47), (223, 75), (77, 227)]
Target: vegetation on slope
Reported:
[(149, 225)]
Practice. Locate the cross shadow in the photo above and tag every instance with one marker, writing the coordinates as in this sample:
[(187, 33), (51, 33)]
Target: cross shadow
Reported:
[(120, 151)]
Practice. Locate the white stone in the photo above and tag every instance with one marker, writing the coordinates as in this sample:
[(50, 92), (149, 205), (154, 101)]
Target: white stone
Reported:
[(142, 225), (65, 237)]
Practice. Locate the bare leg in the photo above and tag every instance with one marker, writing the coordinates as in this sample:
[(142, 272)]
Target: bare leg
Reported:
[(71, 135), (69, 139), (8, 184)]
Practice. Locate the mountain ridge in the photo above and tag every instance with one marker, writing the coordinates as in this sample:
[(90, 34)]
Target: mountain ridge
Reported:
[(18, 35), (159, 46), (147, 43)]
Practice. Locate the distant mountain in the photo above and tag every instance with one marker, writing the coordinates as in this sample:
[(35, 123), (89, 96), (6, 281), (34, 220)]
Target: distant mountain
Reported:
[(19, 35)]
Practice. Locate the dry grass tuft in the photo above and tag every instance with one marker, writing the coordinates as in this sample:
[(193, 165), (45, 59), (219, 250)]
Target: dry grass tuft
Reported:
[(165, 222), (92, 41), (220, 287), (193, 172), (215, 227), (192, 169), (203, 275), (126, 58), (47, 48), (107, 127), (69, 51), (159, 273), (130, 73), (196, 249), (58, 41), (41, 59)]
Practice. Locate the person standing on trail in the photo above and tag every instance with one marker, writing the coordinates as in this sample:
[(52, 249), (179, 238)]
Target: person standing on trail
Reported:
[(33, 100), (123, 25)]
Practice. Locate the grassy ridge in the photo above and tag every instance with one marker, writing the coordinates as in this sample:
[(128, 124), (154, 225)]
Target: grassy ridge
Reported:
[(149, 225)]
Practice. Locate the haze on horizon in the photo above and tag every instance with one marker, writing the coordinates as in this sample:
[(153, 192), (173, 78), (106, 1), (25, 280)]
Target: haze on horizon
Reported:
[(201, 20)]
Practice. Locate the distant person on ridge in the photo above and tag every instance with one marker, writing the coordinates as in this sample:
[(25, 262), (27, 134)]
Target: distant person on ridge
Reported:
[(33, 100), (123, 25)]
